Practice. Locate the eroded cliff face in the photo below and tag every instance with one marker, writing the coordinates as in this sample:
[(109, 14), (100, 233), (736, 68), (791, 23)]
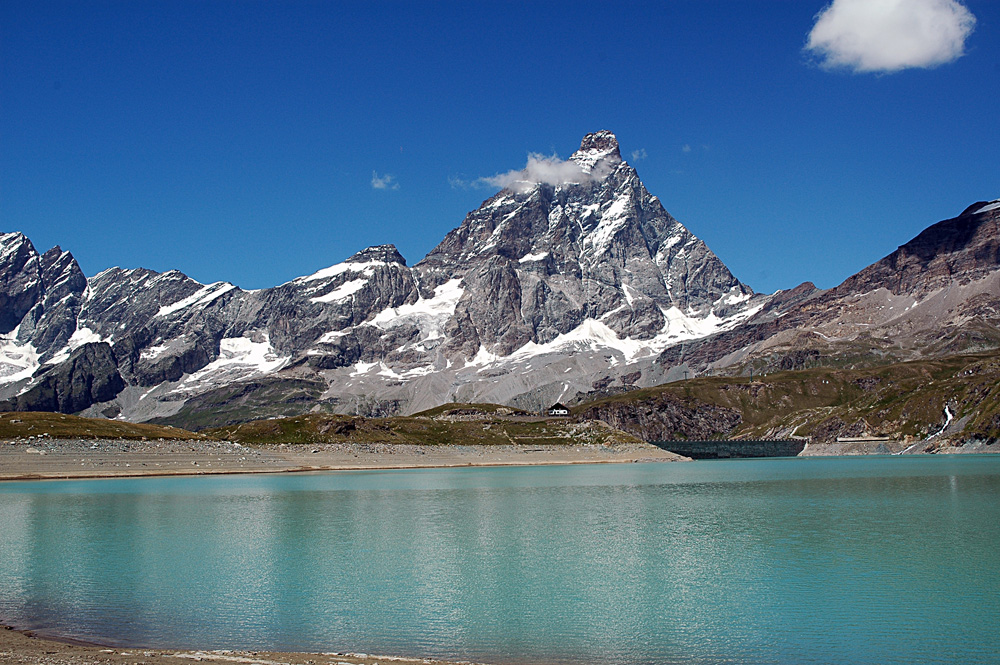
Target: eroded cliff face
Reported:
[(86, 377), (40, 295), (960, 250), (665, 417)]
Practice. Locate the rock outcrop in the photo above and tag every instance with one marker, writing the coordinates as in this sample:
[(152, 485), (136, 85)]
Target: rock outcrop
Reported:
[(665, 417), (89, 376)]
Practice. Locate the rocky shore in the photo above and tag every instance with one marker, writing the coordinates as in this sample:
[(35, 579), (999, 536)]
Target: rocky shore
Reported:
[(932, 446), (24, 647), (44, 458)]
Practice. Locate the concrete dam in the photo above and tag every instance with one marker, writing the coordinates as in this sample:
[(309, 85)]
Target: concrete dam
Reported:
[(734, 449)]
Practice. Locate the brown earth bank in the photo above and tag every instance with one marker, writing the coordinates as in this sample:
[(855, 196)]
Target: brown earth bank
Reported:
[(25, 647)]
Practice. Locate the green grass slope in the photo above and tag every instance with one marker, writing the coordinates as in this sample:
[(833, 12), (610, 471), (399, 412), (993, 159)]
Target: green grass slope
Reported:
[(452, 424), (903, 400), (23, 424)]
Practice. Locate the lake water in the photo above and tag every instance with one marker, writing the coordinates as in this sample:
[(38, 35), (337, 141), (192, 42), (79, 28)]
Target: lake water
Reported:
[(830, 560)]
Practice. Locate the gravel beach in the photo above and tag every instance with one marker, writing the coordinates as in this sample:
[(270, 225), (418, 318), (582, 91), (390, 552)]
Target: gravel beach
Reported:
[(23, 647), (44, 458)]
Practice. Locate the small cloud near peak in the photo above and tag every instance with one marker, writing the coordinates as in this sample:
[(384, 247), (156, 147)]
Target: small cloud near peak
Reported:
[(386, 181), (890, 35), (550, 170)]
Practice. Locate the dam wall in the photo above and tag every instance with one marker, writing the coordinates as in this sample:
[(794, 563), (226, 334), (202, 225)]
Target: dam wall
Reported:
[(733, 449)]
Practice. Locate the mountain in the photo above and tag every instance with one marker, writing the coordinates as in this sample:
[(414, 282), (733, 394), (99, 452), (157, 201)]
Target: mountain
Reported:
[(571, 282), (936, 295), (571, 276), (538, 260)]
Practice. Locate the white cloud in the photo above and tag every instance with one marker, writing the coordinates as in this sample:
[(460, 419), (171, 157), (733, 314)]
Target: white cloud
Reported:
[(686, 147), (457, 182), (890, 35), (386, 181), (547, 170), (639, 154)]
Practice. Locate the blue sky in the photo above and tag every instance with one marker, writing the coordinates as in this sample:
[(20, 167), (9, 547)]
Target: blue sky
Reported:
[(243, 141)]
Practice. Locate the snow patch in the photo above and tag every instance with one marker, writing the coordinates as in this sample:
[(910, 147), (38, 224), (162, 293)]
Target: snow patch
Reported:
[(593, 335), (342, 292), (732, 298), (83, 336), (10, 243), (153, 352), (612, 220), (627, 291), (202, 297), (527, 258), (79, 337), (338, 269), (239, 358), (483, 358), (993, 205), (496, 203), (388, 372), (17, 361), (429, 315), (589, 335), (362, 368), (667, 244), (331, 337), (419, 371)]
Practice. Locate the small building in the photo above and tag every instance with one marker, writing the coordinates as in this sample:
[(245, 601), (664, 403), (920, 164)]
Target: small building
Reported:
[(558, 409)]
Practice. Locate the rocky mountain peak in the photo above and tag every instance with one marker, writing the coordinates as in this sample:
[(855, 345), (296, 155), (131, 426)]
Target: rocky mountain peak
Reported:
[(967, 246), (20, 281), (13, 238), (981, 207), (383, 253), (597, 146)]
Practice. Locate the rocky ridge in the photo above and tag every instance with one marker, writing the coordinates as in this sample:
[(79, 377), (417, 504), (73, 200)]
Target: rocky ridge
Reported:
[(936, 295), (552, 286)]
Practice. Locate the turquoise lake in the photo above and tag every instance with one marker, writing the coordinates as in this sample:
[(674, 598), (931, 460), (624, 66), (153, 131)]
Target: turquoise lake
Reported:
[(768, 561)]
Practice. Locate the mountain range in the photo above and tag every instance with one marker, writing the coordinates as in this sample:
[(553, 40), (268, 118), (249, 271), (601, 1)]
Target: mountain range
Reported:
[(565, 285)]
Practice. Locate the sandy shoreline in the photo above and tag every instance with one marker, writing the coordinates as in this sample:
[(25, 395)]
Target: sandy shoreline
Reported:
[(23, 647), (42, 458)]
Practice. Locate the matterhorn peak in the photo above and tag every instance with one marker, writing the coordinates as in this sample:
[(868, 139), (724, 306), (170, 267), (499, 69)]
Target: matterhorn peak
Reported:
[(597, 146)]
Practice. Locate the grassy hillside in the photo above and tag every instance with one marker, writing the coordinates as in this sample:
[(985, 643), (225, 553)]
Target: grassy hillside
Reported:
[(20, 424), (479, 410), (452, 424), (900, 400)]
